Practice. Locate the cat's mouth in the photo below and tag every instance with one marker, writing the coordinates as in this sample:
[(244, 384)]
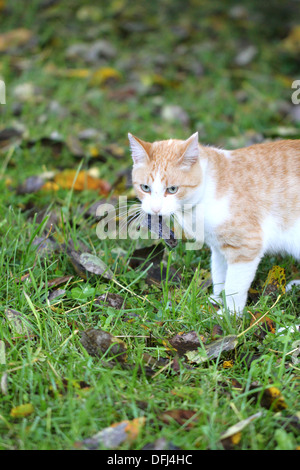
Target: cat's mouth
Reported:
[(157, 225)]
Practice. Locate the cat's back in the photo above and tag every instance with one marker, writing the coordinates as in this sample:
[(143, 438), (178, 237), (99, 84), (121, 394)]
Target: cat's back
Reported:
[(279, 155)]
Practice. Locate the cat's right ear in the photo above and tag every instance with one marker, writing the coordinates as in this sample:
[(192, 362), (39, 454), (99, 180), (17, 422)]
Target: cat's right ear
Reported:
[(139, 150)]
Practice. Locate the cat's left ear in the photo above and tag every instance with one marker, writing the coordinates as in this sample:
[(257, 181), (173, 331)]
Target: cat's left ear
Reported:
[(191, 151), (139, 150)]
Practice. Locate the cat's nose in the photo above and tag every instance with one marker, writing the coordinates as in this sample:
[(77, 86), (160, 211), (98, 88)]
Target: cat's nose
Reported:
[(156, 209)]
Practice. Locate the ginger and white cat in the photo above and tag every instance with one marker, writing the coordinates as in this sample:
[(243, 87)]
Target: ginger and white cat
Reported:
[(250, 196)]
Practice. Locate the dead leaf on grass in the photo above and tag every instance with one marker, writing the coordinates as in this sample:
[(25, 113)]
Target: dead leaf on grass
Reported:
[(232, 436), (18, 323), (213, 349), (111, 300), (22, 410), (265, 326), (275, 282), (95, 265), (114, 435), (81, 181), (99, 342), (270, 398), (184, 342)]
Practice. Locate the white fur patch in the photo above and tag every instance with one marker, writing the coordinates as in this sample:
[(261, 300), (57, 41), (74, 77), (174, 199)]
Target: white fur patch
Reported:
[(278, 240)]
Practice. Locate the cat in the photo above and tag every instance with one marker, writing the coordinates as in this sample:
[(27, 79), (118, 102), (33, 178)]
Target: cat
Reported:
[(250, 198)]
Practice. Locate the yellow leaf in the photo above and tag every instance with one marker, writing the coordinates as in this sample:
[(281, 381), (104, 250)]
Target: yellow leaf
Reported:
[(227, 364), (93, 151), (81, 181), (77, 73), (275, 280), (104, 75), (133, 427), (50, 186), (292, 42), (22, 410), (272, 398)]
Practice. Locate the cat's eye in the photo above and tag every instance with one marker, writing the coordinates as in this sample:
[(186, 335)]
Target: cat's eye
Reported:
[(172, 189), (145, 188)]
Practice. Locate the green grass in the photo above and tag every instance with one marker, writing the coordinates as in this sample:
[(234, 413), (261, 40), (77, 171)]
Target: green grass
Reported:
[(46, 368)]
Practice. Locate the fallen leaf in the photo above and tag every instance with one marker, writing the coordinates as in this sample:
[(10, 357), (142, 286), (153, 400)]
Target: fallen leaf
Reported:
[(114, 435), (265, 326), (213, 349), (110, 300), (270, 397), (99, 342), (184, 342), (31, 185), (18, 323), (104, 76), (227, 364), (81, 181), (22, 410), (292, 42), (59, 280), (232, 436), (95, 265), (275, 281)]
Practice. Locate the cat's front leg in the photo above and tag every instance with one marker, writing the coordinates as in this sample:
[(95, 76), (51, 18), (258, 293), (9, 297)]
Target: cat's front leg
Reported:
[(218, 273), (239, 277)]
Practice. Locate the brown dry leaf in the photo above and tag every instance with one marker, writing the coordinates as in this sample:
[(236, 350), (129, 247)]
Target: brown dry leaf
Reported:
[(185, 418), (184, 342), (22, 410), (99, 342), (110, 300), (14, 38), (275, 281), (114, 435), (59, 280), (81, 181), (266, 325)]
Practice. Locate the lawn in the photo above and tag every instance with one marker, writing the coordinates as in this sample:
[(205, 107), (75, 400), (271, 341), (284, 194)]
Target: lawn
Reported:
[(78, 77)]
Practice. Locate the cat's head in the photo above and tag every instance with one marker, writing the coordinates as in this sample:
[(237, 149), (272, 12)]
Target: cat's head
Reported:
[(166, 174)]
